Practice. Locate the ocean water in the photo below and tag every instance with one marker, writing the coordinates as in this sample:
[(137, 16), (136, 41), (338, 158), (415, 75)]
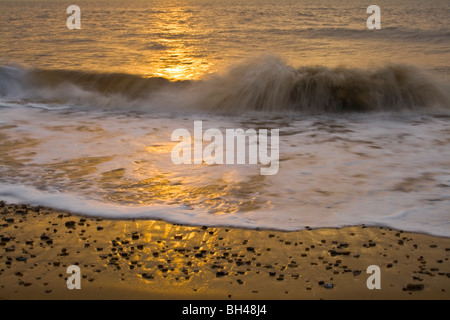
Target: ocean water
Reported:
[(86, 116)]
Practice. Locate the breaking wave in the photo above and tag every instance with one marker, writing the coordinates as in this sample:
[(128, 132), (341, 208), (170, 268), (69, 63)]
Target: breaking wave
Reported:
[(264, 84)]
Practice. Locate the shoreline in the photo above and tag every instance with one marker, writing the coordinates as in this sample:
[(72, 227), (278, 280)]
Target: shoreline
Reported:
[(153, 259)]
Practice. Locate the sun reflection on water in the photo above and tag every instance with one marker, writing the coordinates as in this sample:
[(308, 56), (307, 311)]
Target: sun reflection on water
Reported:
[(180, 57)]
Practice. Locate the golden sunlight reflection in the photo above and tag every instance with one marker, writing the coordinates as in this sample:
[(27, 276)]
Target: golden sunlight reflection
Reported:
[(180, 57), (222, 195), (160, 148), (216, 196)]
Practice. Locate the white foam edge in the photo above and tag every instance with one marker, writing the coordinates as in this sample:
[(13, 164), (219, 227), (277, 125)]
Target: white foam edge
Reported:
[(180, 214)]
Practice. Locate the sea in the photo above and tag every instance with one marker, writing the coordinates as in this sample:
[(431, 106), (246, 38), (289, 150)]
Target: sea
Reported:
[(363, 114)]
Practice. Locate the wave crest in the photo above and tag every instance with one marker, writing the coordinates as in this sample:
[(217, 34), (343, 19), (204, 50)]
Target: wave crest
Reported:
[(265, 84)]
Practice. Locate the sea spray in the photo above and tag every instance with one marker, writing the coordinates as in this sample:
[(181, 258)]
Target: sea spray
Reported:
[(265, 84)]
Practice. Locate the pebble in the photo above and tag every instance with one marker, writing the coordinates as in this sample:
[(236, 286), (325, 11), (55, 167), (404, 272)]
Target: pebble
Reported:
[(414, 287), (334, 253), (44, 237), (147, 276), (70, 224)]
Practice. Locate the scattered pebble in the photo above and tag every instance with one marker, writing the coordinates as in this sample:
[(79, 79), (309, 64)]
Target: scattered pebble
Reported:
[(414, 287)]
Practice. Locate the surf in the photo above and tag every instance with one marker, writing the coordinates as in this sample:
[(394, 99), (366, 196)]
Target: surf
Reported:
[(265, 84)]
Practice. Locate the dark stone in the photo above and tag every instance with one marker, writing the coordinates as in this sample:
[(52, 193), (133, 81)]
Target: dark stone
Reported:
[(414, 287), (44, 237), (70, 224), (334, 253)]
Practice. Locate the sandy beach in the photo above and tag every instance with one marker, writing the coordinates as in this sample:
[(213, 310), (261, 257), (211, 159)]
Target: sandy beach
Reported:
[(137, 259)]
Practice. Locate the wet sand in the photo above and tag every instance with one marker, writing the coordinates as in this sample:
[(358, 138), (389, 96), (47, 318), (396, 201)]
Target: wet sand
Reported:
[(136, 259)]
